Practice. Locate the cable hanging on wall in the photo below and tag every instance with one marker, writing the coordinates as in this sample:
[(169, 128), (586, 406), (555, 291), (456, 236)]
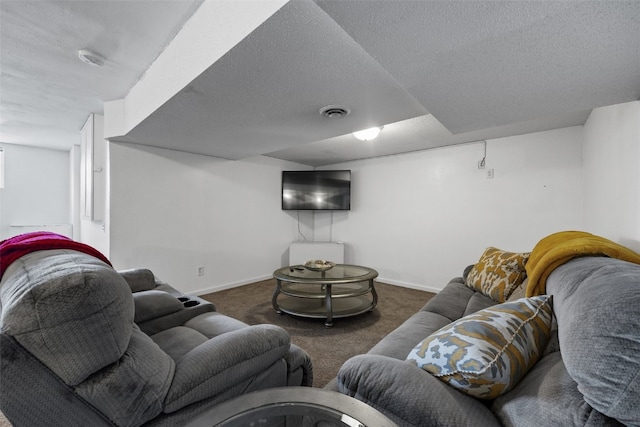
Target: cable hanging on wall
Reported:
[(299, 231), (483, 161)]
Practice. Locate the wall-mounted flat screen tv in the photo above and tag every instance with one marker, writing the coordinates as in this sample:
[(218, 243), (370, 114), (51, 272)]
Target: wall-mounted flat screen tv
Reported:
[(316, 190)]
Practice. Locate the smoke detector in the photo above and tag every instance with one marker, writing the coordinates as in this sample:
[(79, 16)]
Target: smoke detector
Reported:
[(91, 57), (334, 111)]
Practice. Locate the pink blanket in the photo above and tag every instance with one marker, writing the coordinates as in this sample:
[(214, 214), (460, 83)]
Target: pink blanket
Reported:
[(15, 247)]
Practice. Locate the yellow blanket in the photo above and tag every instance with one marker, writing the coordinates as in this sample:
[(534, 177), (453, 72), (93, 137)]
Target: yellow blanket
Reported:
[(556, 249)]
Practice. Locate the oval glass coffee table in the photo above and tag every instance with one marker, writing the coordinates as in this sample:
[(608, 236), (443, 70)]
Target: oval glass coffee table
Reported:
[(342, 291), (292, 407)]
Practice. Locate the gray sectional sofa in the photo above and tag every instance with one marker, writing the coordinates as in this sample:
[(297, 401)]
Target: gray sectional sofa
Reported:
[(588, 374), (82, 344)]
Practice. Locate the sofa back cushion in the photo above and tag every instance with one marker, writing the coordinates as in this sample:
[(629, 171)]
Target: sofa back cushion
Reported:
[(70, 310), (597, 305), (457, 300)]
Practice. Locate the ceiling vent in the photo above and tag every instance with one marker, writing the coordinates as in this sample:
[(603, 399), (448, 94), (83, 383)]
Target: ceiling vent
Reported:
[(334, 111)]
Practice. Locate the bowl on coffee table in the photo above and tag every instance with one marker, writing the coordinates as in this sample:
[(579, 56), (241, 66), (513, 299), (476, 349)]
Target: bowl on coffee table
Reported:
[(319, 265)]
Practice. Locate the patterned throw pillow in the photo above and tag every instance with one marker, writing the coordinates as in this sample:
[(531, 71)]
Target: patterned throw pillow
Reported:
[(520, 291), (486, 353), (498, 273)]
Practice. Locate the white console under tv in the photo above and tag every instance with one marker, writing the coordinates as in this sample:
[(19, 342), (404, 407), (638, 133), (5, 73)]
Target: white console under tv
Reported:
[(300, 252)]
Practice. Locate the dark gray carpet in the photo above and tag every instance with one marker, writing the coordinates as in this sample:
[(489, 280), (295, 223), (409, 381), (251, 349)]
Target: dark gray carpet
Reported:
[(329, 348)]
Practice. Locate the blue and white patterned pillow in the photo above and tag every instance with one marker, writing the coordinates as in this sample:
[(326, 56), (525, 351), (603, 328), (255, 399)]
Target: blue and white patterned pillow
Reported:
[(486, 353)]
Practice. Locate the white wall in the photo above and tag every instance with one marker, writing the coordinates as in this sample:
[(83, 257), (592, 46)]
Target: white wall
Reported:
[(74, 185), (37, 190), (418, 218), (95, 232), (612, 173), (172, 212), (421, 218)]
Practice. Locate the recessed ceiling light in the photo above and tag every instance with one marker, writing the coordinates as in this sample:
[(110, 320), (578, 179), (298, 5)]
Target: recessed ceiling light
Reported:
[(91, 57), (334, 111), (368, 134)]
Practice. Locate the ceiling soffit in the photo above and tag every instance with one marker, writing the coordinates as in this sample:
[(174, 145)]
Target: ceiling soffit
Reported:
[(265, 94)]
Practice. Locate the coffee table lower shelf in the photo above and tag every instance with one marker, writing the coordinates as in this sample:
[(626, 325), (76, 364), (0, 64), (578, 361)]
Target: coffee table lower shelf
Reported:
[(317, 308)]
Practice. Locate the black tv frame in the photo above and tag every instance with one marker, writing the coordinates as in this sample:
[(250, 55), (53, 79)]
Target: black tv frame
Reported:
[(316, 190)]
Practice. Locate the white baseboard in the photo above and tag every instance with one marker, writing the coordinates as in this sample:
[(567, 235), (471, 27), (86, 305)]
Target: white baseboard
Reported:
[(224, 286), (409, 285), (230, 285)]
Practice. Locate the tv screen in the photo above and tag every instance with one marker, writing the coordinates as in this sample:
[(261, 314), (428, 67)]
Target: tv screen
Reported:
[(316, 190)]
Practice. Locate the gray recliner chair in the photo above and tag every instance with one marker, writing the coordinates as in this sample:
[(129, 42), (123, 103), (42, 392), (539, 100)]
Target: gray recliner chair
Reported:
[(82, 344)]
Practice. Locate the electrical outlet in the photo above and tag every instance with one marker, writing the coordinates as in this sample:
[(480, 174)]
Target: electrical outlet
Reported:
[(200, 271), (489, 173)]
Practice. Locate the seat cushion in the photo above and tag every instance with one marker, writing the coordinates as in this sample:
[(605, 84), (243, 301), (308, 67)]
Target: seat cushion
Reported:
[(227, 360), (178, 341), (213, 324)]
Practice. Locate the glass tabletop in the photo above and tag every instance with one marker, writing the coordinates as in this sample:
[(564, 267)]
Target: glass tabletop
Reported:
[(341, 273), (293, 407)]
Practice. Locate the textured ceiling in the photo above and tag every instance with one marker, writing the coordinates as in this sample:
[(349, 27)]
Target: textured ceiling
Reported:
[(434, 73), (46, 92), (480, 64)]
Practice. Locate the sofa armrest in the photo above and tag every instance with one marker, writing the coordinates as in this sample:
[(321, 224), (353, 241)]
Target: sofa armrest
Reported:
[(409, 395), (299, 367), (139, 279), (225, 361), (153, 304), (157, 310), (143, 279)]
